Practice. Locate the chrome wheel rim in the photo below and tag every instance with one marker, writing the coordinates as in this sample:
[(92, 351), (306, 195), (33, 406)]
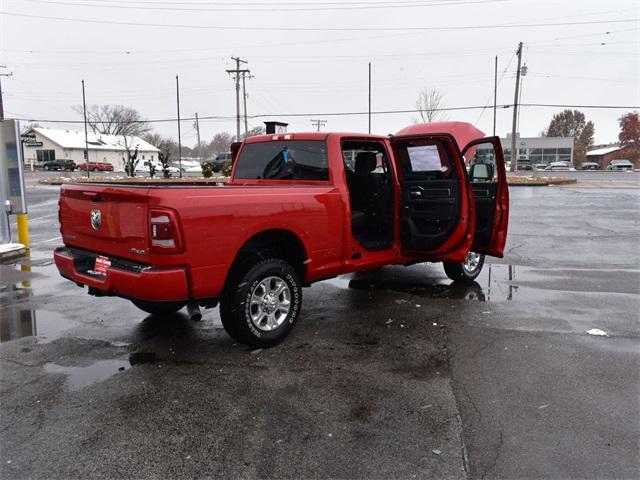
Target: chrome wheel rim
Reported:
[(471, 262), (270, 303)]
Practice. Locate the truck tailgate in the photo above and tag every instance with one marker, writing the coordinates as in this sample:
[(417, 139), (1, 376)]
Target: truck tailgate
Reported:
[(109, 220)]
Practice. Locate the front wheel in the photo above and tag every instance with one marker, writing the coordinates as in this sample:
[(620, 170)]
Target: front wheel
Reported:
[(466, 271), (158, 308), (261, 303)]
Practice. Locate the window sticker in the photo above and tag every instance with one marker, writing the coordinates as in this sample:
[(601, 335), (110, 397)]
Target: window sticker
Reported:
[(425, 158)]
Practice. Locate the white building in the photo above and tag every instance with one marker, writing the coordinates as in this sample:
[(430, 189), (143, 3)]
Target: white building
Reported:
[(539, 150), (44, 144)]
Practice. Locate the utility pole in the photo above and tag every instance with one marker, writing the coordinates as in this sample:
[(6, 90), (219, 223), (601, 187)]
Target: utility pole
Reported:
[(236, 76), (1, 104), (495, 94), (86, 138), (523, 73), (244, 97), (369, 97), (179, 138), (318, 123), (514, 126), (198, 132)]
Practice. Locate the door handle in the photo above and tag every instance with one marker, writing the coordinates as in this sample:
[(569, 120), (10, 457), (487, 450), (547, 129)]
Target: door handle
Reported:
[(415, 193)]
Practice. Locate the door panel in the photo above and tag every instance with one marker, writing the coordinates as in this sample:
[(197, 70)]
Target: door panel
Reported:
[(434, 209), (487, 175)]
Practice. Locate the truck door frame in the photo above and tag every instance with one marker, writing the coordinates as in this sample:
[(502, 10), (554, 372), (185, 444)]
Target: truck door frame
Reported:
[(460, 237), (499, 200)]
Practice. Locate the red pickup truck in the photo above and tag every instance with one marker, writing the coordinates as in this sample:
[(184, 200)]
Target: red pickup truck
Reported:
[(299, 208)]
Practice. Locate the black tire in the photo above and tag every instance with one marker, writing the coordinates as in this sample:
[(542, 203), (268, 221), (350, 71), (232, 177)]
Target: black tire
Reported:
[(215, 168), (459, 272), (236, 308), (159, 308)]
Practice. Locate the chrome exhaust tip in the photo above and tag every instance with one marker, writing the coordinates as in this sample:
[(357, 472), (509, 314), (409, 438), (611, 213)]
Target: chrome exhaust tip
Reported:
[(193, 310)]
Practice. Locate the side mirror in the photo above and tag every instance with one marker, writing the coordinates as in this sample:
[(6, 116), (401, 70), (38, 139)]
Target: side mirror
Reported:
[(481, 172)]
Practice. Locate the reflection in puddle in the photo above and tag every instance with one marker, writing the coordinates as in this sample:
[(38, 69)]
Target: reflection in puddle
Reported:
[(496, 283), (17, 285), (80, 377), (18, 322)]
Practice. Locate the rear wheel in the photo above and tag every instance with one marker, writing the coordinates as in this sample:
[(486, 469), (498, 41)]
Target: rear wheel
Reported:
[(466, 271), (261, 303), (159, 308)]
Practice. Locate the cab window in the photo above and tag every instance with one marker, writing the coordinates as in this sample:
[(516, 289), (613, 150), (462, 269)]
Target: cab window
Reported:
[(284, 160)]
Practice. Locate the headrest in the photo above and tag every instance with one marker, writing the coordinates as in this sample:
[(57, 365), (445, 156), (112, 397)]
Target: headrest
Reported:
[(366, 162)]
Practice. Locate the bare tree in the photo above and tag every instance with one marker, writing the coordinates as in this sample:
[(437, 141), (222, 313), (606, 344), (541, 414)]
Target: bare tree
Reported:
[(130, 158), (115, 120), (430, 104)]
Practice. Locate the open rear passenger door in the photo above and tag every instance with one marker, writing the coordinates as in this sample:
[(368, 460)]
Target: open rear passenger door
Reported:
[(488, 177), (436, 212)]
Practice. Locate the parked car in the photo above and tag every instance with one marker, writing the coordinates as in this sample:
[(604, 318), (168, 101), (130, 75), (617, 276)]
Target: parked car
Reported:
[(143, 166), (620, 165), (560, 167), (219, 161), (539, 167), (60, 164), (293, 213), (590, 166), (191, 166), (96, 166)]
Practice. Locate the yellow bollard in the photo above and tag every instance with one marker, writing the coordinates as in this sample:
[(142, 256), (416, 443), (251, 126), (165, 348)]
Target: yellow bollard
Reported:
[(26, 267), (23, 229)]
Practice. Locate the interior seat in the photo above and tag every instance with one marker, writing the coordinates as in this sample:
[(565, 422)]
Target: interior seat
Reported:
[(363, 185)]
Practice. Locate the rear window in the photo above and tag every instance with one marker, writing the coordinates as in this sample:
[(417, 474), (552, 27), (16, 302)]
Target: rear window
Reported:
[(284, 160)]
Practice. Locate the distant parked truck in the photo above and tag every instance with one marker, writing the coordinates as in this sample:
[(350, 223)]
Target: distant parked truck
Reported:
[(219, 162), (60, 164), (620, 165)]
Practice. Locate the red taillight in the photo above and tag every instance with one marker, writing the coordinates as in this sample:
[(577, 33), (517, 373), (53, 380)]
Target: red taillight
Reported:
[(164, 231)]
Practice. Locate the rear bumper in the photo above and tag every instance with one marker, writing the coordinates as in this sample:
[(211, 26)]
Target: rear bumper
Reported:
[(124, 279)]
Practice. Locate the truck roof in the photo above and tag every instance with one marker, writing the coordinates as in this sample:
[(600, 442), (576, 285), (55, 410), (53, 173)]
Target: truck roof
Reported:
[(463, 132), (309, 136)]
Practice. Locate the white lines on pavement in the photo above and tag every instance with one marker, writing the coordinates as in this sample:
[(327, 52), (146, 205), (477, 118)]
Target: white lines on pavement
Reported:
[(50, 240)]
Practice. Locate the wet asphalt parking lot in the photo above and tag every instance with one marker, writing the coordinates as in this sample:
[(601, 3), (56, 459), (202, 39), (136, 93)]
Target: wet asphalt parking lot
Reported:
[(395, 373)]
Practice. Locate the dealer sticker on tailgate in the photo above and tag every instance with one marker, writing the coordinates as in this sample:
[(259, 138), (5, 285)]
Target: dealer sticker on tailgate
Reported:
[(102, 263)]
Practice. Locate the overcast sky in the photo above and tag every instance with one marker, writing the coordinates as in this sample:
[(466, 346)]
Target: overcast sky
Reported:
[(311, 57)]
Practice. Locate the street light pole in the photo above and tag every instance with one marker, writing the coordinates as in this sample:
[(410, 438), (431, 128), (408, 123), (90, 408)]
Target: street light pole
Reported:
[(179, 138), (86, 138)]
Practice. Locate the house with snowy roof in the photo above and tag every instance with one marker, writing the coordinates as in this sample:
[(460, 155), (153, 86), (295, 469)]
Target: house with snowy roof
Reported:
[(45, 144)]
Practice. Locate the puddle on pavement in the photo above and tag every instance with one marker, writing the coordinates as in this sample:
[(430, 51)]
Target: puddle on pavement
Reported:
[(18, 322), (80, 377), (19, 282), (496, 283)]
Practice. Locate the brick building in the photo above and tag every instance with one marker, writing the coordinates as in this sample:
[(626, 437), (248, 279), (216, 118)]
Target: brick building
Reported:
[(604, 155)]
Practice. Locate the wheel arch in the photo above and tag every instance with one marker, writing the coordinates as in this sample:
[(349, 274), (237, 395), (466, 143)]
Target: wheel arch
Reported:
[(278, 243)]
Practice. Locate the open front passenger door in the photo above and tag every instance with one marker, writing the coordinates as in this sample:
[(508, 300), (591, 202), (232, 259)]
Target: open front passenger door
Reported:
[(488, 177), (436, 211)]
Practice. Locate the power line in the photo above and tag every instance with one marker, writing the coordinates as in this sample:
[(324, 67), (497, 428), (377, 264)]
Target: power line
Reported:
[(319, 29), (271, 7), (354, 113)]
